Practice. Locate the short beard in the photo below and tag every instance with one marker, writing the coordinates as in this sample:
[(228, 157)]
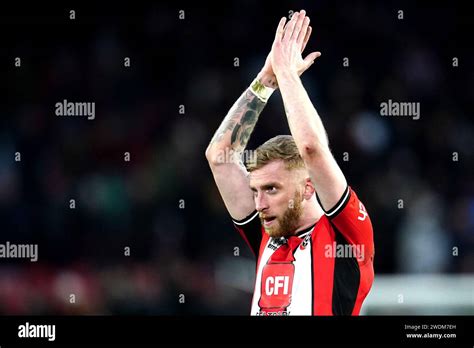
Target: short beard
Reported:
[(288, 223)]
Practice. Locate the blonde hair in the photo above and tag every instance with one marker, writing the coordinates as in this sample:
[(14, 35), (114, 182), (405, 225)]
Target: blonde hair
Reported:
[(281, 147)]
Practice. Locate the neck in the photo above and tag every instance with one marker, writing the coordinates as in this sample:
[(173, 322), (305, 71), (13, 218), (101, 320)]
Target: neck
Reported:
[(312, 212)]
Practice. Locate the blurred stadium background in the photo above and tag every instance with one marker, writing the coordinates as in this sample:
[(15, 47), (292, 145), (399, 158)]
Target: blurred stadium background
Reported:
[(190, 62)]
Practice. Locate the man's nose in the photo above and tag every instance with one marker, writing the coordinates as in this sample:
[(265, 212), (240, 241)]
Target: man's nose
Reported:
[(261, 202)]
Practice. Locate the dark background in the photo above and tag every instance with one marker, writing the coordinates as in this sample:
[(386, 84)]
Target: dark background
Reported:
[(190, 62)]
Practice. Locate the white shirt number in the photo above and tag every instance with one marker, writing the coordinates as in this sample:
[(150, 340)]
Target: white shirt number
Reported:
[(362, 211)]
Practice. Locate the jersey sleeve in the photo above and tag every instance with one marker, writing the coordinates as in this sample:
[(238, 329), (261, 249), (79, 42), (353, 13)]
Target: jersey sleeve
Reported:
[(351, 219), (250, 229)]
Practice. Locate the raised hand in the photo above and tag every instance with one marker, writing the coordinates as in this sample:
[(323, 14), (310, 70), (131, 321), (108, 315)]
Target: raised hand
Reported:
[(268, 75), (290, 41)]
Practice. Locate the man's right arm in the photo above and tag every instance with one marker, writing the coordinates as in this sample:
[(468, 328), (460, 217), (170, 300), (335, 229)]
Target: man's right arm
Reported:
[(224, 153)]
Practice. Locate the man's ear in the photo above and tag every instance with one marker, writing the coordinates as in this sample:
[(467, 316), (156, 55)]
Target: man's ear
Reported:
[(308, 189)]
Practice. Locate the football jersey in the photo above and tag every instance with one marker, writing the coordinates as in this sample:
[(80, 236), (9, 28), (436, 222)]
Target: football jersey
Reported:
[(325, 269)]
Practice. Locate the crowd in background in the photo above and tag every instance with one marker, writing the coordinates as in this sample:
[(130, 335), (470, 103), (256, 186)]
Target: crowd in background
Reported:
[(415, 177)]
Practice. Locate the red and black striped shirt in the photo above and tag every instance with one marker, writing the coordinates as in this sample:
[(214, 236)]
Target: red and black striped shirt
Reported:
[(326, 269)]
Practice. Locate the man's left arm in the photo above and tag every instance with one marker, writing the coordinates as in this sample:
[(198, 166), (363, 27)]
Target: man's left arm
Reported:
[(339, 202), (305, 124)]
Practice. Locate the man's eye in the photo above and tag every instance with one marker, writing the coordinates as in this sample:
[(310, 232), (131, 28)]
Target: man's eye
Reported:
[(272, 189)]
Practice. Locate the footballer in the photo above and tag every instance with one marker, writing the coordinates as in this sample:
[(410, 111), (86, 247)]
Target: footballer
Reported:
[(291, 202)]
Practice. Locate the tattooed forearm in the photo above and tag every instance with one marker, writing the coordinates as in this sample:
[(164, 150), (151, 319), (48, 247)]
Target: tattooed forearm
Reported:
[(239, 122)]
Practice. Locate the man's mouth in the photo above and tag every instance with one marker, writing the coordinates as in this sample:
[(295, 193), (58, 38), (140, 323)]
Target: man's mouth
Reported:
[(268, 220)]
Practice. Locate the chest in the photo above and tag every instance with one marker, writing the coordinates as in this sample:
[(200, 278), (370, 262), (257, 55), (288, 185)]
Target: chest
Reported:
[(284, 278)]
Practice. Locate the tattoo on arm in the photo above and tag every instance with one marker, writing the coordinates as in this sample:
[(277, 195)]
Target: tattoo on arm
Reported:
[(240, 120)]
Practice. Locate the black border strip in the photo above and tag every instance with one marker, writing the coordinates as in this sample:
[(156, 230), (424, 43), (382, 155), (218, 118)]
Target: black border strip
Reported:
[(138, 330)]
